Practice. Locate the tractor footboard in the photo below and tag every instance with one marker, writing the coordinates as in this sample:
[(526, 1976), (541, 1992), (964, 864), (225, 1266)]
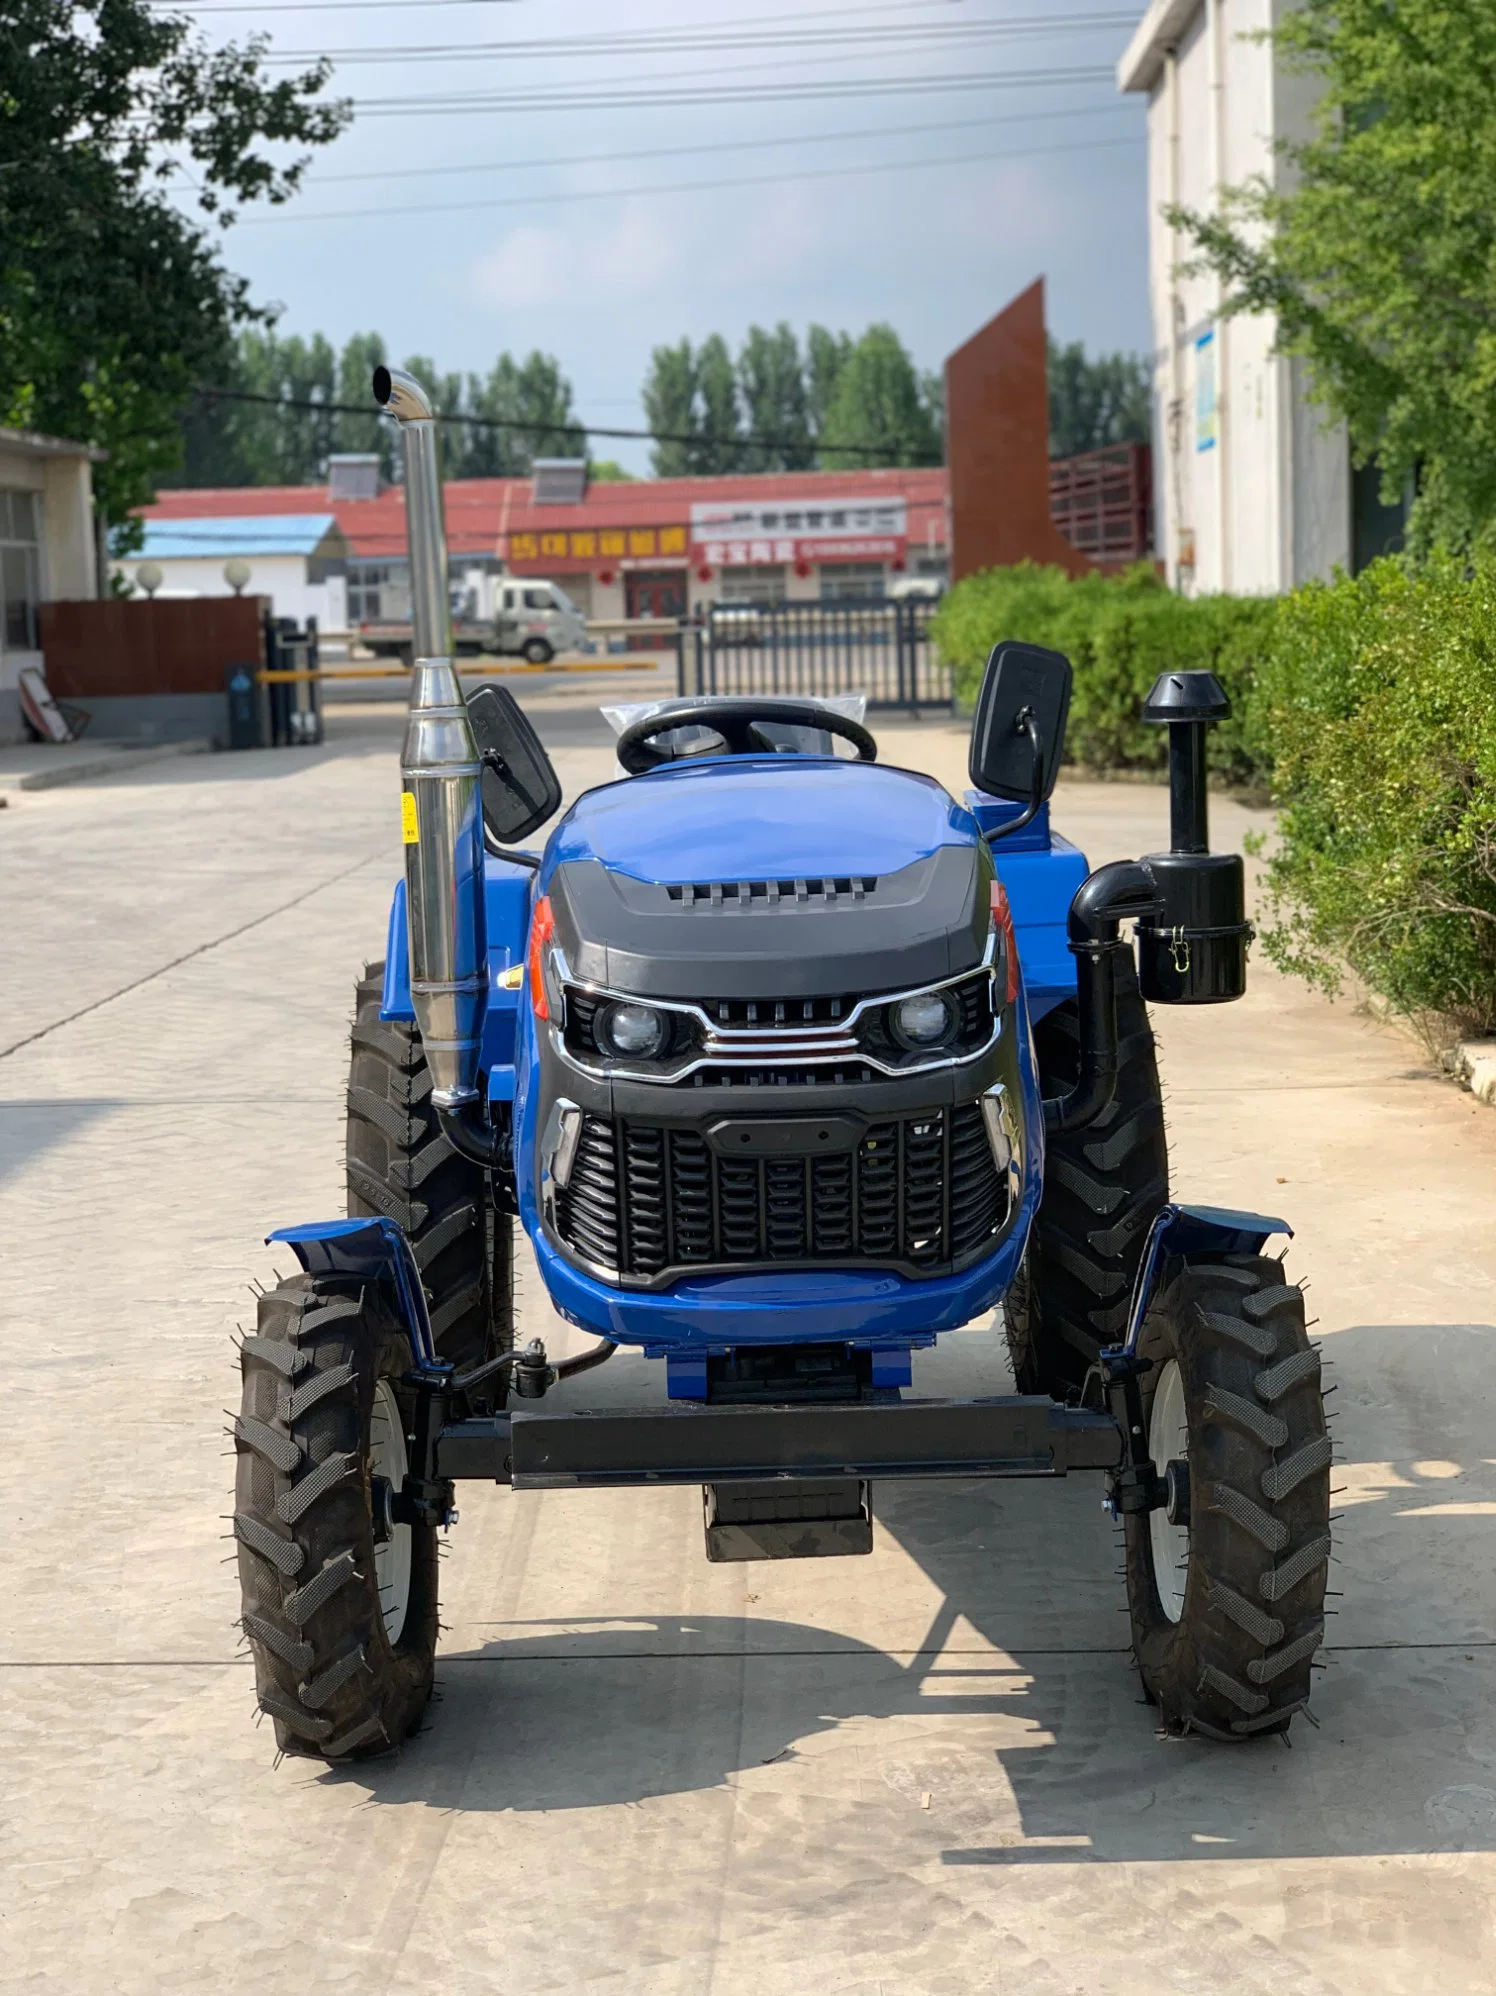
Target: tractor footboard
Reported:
[(1010, 1436)]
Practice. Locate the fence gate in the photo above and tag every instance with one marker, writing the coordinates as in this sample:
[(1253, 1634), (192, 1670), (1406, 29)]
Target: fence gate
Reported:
[(877, 647)]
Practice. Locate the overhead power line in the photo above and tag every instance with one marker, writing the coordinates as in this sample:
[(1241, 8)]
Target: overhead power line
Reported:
[(573, 426), (532, 164), (695, 40), (678, 187), (615, 97)]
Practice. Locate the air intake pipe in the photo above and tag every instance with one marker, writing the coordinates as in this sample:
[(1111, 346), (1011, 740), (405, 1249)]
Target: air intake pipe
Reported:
[(441, 812)]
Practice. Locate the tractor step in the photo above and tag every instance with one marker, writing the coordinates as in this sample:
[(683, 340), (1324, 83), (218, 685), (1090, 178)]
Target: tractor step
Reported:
[(787, 1519)]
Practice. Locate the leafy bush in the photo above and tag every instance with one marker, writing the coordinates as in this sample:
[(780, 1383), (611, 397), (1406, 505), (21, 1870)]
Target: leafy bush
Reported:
[(1379, 701), (1368, 704), (1119, 633)]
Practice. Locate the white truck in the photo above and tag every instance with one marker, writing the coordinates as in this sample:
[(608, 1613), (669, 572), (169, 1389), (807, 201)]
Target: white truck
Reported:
[(533, 619)]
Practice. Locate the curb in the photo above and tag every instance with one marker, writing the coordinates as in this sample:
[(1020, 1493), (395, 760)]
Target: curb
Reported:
[(1473, 1063), (103, 765)]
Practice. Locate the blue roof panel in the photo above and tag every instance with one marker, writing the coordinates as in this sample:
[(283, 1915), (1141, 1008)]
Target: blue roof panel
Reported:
[(252, 534)]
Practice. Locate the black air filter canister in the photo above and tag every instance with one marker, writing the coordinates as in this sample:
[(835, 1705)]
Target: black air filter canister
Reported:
[(1193, 949)]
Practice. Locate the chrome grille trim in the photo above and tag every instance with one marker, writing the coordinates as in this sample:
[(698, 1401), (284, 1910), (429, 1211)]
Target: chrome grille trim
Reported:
[(796, 1044)]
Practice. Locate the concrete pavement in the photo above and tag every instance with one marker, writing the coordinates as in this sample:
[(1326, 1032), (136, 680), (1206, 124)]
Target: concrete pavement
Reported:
[(925, 1773)]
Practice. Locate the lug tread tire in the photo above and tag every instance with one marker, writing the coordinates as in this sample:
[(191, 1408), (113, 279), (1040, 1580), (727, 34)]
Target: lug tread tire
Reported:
[(1259, 1507), (463, 1248), (1102, 1187), (325, 1671)]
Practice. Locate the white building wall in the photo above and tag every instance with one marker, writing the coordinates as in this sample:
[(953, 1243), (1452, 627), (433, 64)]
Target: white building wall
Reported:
[(281, 577), (61, 480), (1252, 488)]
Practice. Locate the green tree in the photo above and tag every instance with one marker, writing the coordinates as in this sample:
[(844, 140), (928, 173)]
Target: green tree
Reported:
[(369, 434), (1375, 246), (717, 397), (691, 399), (878, 413), (771, 381), (1096, 402), (826, 354), (112, 301), (543, 405), (669, 398)]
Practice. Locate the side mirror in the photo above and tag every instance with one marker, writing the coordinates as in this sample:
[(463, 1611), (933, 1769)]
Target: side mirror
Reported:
[(520, 789), (1018, 735)]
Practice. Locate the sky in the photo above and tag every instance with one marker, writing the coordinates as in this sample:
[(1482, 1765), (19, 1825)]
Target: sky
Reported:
[(550, 173)]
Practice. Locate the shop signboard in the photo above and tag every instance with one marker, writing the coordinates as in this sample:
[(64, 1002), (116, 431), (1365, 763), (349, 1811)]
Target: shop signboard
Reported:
[(565, 550), (737, 532)]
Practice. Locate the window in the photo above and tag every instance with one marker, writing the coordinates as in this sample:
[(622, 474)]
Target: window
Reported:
[(368, 586), (539, 599), (752, 585), (20, 580), (851, 581)]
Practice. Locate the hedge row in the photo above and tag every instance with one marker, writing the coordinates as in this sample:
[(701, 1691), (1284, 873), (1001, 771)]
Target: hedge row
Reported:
[(1119, 634), (1369, 708)]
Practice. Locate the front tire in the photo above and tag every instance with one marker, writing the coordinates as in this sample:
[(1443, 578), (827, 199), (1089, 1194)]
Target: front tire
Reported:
[(1103, 1186), (339, 1604), (401, 1166), (1227, 1596), (537, 651)]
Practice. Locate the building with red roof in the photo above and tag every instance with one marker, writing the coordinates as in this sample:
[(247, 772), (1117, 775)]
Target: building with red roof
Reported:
[(647, 547)]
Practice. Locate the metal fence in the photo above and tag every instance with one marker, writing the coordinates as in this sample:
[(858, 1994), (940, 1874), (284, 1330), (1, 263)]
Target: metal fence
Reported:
[(877, 647)]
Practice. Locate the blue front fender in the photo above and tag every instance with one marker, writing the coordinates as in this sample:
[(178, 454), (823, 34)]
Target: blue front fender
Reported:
[(376, 1250), (1194, 1230)]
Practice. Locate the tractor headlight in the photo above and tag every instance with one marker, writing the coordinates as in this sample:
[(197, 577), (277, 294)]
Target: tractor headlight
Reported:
[(926, 1020), (631, 1032)]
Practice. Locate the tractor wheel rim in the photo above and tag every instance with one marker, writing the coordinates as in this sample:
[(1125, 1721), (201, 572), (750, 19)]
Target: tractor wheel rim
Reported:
[(1168, 1441), (387, 1458)]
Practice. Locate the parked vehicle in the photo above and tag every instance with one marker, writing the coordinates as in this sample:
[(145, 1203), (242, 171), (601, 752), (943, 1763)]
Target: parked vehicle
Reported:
[(788, 1064), (471, 638), (537, 620), (532, 620)]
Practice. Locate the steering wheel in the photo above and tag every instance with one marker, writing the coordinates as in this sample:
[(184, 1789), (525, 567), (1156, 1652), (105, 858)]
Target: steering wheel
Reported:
[(736, 722)]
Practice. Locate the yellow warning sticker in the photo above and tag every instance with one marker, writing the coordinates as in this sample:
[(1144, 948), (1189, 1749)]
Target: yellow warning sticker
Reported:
[(410, 828)]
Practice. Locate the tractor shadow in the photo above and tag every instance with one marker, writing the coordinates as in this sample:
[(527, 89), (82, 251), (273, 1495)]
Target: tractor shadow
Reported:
[(1016, 1703)]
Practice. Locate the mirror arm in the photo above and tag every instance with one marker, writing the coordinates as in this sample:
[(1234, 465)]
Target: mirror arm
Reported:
[(1025, 724), (511, 853)]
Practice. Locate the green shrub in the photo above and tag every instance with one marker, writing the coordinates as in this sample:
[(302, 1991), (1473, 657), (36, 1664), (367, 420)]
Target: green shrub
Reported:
[(1379, 700), (1119, 634), (1368, 705)]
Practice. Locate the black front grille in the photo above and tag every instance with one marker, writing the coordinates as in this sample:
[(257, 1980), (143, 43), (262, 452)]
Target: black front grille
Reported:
[(919, 1192)]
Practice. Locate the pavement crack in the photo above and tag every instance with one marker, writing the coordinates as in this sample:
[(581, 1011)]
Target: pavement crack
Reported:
[(202, 949)]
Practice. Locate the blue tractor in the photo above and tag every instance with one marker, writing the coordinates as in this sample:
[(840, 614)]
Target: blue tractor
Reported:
[(788, 1063)]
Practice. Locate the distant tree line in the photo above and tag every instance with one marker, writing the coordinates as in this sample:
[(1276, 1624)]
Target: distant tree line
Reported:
[(834, 401), (1094, 402), (780, 406), (837, 401), (279, 441)]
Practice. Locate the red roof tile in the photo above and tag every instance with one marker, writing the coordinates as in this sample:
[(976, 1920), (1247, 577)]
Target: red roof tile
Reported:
[(479, 510)]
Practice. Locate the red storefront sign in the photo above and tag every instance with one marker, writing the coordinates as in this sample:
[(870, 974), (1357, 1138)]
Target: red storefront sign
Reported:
[(781, 548), (746, 533)]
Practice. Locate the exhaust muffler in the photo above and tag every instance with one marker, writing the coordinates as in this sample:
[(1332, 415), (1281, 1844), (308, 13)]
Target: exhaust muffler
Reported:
[(441, 809)]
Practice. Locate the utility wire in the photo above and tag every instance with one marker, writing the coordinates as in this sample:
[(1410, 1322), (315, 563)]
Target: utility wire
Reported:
[(706, 146), (571, 427), (675, 187), (615, 97), (691, 41)]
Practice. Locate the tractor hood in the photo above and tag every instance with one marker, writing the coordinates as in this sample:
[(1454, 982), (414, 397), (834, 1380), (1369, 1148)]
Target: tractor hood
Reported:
[(769, 877)]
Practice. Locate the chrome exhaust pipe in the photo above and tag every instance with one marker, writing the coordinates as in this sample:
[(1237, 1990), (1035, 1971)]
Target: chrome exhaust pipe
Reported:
[(441, 810)]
